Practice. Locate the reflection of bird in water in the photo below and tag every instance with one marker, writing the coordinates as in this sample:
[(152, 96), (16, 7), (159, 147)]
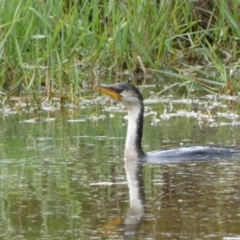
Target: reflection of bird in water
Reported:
[(136, 211), (132, 99), (129, 225)]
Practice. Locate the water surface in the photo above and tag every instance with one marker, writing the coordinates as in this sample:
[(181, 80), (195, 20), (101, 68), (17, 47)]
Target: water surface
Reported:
[(65, 179)]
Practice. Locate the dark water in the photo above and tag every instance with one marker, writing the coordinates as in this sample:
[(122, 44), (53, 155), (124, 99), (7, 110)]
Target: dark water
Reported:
[(66, 180)]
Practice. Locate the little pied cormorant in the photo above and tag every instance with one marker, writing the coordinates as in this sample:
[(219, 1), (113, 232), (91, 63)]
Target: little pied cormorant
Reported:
[(132, 99)]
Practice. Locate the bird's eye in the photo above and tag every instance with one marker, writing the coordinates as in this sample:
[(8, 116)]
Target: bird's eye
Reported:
[(119, 91)]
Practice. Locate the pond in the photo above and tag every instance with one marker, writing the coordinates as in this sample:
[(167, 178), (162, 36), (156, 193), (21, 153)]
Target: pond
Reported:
[(63, 174)]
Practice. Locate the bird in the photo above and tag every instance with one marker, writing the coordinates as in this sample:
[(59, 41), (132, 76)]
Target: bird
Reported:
[(132, 99)]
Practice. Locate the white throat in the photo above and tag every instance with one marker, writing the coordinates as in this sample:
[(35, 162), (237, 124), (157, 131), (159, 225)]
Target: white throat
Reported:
[(130, 150)]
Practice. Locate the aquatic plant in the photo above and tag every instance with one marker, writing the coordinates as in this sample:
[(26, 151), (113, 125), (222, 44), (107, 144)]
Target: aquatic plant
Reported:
[(56, 48)]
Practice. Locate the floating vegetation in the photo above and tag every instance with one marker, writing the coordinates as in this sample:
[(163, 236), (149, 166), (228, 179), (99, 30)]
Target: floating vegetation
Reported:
[(77, 120), (38, 120)]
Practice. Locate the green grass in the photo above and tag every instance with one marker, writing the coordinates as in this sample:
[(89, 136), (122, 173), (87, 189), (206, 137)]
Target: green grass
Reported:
[(52, 48)]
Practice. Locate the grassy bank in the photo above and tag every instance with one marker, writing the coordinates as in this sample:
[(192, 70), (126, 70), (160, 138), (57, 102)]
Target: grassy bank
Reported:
[(58, 47)]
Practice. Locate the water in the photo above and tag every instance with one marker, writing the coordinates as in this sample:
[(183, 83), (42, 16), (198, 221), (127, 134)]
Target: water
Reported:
[(66, 179)]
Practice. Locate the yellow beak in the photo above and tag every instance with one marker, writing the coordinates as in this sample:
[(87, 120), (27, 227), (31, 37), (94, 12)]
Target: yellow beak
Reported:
[(110, 92)]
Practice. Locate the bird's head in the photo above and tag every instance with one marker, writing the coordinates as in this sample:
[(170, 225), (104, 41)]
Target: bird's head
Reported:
[(126, 93)]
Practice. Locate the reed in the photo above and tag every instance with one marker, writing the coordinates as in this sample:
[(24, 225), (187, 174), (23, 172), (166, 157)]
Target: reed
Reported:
[(53, 48)]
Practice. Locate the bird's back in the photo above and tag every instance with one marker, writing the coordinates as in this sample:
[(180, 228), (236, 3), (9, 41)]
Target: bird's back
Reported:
[(193, 153)]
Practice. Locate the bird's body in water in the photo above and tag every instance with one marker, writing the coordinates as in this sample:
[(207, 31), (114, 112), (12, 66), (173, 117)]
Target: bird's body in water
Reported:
[(132, 99)]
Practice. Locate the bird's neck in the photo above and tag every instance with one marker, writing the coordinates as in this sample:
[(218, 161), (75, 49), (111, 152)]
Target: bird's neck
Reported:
[(133, 146)]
